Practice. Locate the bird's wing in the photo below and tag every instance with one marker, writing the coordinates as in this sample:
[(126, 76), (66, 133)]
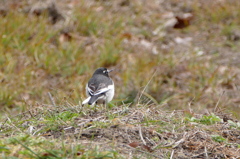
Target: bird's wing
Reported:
[(103, 90), (90, 89), (93, 90)]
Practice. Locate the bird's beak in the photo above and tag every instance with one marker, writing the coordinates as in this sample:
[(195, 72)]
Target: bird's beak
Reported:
[(110, 70)]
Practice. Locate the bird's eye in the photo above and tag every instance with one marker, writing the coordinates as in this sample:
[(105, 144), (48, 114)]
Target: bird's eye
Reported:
[(104, 71)]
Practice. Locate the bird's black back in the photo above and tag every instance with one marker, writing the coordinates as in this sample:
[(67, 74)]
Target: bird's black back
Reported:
[(99, 81)]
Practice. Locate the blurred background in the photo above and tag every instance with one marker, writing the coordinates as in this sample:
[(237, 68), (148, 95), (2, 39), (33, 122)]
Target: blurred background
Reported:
[(183, 54)]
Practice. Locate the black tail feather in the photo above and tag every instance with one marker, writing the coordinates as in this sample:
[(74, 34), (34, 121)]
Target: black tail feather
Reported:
[(93, 99)]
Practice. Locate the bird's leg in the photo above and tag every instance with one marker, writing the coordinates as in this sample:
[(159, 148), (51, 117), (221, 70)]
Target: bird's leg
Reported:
[(95, 107), (105, 104)]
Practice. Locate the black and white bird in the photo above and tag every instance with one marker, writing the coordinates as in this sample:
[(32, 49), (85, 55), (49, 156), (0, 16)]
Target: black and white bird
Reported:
[(100, 88)]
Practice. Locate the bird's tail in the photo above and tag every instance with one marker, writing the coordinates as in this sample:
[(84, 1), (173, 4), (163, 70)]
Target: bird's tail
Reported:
[(93, 99)]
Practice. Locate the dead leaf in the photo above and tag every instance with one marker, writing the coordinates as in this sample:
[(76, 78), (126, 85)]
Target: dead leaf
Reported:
[(47, 134), (48, 155), (227, 85), (126, 36), (80, 152), (183, 21), (142, 146), (147, 148), (134, 144), (3, 12), (64, 37)]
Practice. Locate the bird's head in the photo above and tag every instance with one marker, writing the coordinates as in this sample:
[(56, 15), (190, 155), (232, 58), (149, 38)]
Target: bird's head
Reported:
[(102, 71)]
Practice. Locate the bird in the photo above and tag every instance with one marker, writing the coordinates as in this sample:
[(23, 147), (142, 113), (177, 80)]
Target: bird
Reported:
[(100, 88)]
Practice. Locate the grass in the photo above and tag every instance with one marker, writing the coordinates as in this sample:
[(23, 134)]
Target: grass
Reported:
[(218, 138), (37, 55), (70, 132), (181, 89), (46, 149), (207, 120)]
